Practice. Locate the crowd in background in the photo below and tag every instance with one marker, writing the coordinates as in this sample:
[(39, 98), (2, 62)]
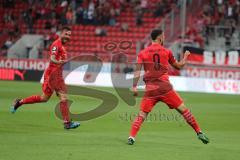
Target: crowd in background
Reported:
[(105, 12), (218, 18), (66, 12), (97, 12)]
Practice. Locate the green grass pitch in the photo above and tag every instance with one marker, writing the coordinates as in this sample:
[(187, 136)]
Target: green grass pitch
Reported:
[(34, 132)]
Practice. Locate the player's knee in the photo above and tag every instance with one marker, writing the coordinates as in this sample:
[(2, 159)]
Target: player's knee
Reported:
[(181, 108), (63, 98)]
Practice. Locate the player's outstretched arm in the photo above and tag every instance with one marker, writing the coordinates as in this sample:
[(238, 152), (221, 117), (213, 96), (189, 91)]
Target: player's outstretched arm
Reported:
[(136, 78), (181, 63)]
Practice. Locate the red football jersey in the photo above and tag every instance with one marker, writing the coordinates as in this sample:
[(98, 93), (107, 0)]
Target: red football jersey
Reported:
[(53, 80), (59, 51), (155, 60)]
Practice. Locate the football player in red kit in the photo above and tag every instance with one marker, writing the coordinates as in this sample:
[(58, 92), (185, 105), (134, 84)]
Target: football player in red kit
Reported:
[(155, 60), (53, 80)]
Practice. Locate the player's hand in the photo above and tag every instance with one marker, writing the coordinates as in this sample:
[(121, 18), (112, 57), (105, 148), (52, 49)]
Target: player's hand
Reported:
[(62, 61), (135, 92), (186, 54)]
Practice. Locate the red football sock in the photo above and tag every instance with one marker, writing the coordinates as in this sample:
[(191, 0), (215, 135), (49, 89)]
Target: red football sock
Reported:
[(31, 99), (191, 120), (136, 125), (65, 111)]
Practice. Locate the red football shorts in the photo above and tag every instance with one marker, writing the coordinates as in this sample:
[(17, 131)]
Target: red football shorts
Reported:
[(171, 98), (53, 83)]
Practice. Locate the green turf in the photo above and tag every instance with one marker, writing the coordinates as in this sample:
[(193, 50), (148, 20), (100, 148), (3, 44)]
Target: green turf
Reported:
[(34, 132)]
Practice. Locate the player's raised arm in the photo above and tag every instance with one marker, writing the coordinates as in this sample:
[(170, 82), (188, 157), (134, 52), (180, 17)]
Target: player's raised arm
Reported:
[(181, 63)]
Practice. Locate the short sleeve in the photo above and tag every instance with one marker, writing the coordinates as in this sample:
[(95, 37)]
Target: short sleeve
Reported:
[(140, 58), (171, 59), (54, 50)]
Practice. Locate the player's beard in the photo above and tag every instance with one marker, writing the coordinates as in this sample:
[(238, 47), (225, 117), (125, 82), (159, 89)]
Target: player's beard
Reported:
[(65, 40), (161, 42)]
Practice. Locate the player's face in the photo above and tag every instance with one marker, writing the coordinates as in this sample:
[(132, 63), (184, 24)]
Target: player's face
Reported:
[(66, 36)]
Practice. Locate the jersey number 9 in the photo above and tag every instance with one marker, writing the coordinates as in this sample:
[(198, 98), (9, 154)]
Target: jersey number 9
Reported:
[(156, 60)]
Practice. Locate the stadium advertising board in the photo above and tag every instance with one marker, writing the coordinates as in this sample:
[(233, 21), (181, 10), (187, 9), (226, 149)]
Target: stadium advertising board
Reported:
[(211, 72), (80, 77), (220, 58), (22, 69), (212, 64)]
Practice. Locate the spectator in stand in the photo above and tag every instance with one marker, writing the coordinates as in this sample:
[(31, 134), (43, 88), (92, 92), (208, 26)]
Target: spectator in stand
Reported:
[(124, 27), (10, 28), (8, 43), (106, 13), (99, 13), (29, 19), (139, 14), (60, 12), (144, 5), (59, 9), (164, 6), (91, 12), (112, 20), (69, 15), (237, 12), (100, 31), (16, 29), (79, 15), (8, 17), (207, 23), (194, 35), (116, 6), (159, 9)]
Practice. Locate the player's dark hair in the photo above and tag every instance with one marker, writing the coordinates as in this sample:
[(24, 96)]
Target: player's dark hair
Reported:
[(155, 33), (66, 28)]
